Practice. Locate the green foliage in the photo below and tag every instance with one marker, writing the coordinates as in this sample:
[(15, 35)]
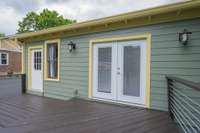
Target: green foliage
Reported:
[(28, 23), (2, 34), (43, 20)]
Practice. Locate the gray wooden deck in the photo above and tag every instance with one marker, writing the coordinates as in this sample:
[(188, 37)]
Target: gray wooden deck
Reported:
[(33, 114)]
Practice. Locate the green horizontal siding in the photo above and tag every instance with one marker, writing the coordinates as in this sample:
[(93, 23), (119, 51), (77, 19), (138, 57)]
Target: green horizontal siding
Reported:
[(168, 57), (177, 65), (173, 44)]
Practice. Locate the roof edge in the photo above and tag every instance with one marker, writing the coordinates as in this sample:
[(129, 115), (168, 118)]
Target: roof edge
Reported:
[(115, 18)]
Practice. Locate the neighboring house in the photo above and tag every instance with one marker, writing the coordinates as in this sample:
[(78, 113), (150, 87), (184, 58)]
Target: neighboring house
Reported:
[(10, 56), (122, 59)]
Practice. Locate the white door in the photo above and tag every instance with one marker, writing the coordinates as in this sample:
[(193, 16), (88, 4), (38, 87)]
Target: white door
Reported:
[(119, 71), (131, 71), (36, 70), (104, 62)]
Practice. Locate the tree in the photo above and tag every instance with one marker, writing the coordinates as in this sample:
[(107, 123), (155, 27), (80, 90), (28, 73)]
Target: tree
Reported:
[(2, 34), (43, 20), (28, 23)]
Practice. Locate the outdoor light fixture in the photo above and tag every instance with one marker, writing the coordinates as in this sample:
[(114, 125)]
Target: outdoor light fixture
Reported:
[(71, 46), (184, 36)]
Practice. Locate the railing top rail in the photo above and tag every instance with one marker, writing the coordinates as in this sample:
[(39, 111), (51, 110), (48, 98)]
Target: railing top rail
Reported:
[(11, 76), (188, 83), (7, 75)]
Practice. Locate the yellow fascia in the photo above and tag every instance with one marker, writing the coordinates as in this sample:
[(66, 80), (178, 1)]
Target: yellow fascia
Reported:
[(156, 11)]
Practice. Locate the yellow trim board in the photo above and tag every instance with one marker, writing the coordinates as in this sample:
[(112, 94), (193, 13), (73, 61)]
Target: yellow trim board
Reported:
[(45, 60), (146, 36), (30, 64), (22, 60), (148, 70)]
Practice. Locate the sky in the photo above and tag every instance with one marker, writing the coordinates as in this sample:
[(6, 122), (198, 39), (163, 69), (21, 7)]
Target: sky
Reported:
[(12, 11)]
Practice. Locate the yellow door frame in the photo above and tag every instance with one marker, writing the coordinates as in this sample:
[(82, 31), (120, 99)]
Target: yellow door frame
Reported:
[(22, 60), (146, 36), (30, 65)]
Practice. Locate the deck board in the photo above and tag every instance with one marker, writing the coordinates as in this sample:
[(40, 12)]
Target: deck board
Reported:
[(34, 114)]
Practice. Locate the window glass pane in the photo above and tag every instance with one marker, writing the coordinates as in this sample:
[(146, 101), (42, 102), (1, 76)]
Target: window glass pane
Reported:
[(52, 51), (104, 69), (37, 60), (3, 61), (34, 61), (4, 58)]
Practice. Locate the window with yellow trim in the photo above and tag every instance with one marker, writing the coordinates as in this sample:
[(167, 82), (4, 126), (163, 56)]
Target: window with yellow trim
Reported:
[(52, 60)]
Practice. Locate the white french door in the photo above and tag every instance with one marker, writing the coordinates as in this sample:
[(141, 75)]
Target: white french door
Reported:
[(119, 71), (132, 70), (36, 70), (104, 62)]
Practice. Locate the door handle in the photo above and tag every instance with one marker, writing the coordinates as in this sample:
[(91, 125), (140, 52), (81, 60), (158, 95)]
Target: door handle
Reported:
[(118, 73)]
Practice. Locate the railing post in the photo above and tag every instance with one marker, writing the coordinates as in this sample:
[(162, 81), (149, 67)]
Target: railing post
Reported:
[(170, 91), (23, 83)]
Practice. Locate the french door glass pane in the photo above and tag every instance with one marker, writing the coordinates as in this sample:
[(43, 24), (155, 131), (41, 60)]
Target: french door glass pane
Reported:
[(131, 72), (104, 69)]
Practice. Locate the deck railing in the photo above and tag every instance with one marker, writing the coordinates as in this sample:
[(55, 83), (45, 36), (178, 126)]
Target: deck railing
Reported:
[(12, 85), (184, 103)]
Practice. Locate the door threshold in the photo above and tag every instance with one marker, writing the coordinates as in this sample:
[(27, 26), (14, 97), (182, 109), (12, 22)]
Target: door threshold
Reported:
[(116, 102), (34, 92)]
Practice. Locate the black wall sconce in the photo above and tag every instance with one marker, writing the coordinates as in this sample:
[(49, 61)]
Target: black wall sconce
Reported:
[(71, 46), (184, 36)]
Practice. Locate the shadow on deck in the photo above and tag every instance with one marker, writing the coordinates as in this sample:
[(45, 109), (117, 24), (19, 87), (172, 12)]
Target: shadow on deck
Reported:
[(33, 114)]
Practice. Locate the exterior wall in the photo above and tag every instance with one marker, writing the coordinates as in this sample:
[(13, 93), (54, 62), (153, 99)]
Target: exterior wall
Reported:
[(9, 44), (168, 56), (14, 62)]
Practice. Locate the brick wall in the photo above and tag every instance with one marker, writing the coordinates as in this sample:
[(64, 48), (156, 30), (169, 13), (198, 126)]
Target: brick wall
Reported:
[(14, 62)]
